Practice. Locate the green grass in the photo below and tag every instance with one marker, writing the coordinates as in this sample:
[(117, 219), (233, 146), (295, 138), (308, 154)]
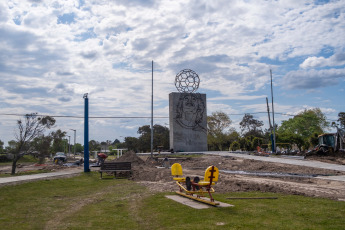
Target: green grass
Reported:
[(86, 202), (24, 159), (29, 172)]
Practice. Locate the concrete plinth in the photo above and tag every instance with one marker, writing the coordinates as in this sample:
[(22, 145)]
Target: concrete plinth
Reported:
[(188, 122)]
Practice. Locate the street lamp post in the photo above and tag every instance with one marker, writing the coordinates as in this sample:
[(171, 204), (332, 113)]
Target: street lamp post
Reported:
[(75, 136), (69, 145)]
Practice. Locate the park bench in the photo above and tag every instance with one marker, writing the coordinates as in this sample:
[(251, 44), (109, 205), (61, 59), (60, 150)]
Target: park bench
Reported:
[(114, 167)]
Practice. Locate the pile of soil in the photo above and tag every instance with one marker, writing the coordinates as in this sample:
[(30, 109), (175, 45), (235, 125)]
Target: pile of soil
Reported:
[(159, 179), (132, 157), (328, 159)]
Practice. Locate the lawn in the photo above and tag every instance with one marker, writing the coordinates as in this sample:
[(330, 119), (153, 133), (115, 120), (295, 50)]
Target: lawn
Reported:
[(86, 202)]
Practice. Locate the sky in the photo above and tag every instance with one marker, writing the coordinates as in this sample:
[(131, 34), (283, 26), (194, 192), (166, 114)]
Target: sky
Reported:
[(52, 52)]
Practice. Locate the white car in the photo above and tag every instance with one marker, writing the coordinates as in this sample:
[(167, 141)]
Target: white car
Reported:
[(60, 158)]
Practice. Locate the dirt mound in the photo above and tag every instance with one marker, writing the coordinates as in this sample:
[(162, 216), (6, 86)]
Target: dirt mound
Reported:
[(132, 157)]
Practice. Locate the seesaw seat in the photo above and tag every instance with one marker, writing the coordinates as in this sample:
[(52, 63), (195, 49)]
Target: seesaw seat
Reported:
[(189, 188), (177, 173)]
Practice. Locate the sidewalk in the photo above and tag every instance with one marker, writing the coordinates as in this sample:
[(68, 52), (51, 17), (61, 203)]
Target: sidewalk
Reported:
[(283, 159), (300, 162), (40, 176)]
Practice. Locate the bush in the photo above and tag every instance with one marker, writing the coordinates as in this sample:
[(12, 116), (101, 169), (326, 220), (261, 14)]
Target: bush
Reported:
[(234, 146), (4, 158)]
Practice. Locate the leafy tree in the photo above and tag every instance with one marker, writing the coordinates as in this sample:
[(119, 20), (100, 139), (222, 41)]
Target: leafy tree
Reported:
[(257, 141), (116, 142), (132, 143), (250, 126), (42, 145), (58, 141), (234, 146), (245, 143), (32, 127), (94, 145), (1, 146), (144, 141), (78, 148), (160, 137), (314, 139), (299, 129), (341, 119), (11, 146), (218, 130)]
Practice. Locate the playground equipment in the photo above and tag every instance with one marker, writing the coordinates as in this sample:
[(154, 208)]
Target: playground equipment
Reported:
[(200, 188)]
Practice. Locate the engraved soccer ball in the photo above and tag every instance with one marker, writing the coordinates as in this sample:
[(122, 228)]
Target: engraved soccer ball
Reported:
[(187, 81)]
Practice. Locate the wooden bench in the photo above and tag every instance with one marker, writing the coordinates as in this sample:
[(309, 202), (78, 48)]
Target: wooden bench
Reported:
[(114, 167)]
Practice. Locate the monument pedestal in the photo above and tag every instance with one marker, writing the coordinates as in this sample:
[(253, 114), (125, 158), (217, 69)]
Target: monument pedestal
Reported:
[(188, 122)]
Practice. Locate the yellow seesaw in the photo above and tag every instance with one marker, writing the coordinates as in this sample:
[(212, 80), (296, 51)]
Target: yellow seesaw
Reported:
[(188, 188)]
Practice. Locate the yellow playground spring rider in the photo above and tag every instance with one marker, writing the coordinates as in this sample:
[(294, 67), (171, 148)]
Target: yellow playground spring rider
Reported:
[(201, 188)]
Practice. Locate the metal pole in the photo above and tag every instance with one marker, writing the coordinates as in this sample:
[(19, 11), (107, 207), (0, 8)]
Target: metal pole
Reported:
[(75, 138), (69, 145), (269, 120), (152, 115), (75, 134), (274, 126), (86, 134)]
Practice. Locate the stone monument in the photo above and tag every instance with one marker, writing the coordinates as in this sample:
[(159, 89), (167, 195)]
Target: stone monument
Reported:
[(187, 114)]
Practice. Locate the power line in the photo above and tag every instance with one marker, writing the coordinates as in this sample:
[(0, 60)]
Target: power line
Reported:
[(132, 117), (70, 116)]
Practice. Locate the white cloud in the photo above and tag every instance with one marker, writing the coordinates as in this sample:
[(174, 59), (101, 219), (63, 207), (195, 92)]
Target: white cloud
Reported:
[(107, 46), (338, 59), (311, 79)]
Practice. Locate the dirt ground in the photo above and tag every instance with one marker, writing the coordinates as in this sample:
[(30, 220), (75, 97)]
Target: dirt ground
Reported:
[(287, 179), (243, 175)]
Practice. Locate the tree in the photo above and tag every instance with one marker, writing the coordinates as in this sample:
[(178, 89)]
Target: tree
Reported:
[(341, 119), (10, 148), (234, 146), (1, 146), (250, 126), (131, 143), (94, 146), (58, 141), (160, 137), (42, 145), (30, 128), (116, 142), (257, 141), (218, 129), (299, 129), (144, 141), (78, 148)]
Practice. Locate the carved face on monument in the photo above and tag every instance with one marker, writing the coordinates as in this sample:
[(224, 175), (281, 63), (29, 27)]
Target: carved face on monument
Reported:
[(190, 109)]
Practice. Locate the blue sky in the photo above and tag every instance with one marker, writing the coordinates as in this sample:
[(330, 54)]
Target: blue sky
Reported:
[(52, 52)]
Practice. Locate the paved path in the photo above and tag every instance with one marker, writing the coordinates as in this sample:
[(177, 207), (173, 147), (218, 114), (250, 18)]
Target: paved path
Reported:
[(284, 160), (40, 176), (292, 160)]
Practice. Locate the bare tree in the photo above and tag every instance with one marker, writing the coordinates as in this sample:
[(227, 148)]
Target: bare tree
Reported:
[(32, 127)]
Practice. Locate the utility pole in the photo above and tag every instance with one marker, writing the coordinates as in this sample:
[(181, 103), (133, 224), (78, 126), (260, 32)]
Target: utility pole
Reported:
[(86, 133), (269, 120), (75, 136), (152, 115), (274, 126), (69, 145)]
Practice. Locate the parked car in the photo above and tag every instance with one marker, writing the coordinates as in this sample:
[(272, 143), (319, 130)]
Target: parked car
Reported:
[(60, 158)]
